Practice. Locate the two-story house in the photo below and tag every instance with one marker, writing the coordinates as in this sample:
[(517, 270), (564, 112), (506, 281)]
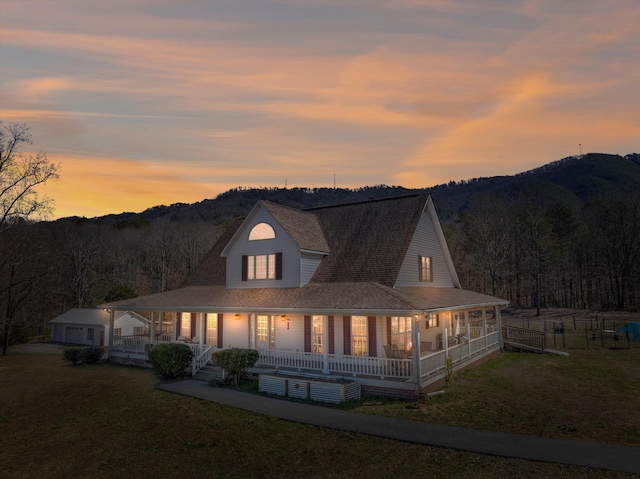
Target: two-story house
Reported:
[(364, 290)]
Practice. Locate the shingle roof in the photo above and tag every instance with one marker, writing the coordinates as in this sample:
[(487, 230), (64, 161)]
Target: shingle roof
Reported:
[(367, 243), (212, 268), (352, 297), (368, 240), (302, 226)]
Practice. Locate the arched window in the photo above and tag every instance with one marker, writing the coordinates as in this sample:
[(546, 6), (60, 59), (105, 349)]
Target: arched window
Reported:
[(262, 231)]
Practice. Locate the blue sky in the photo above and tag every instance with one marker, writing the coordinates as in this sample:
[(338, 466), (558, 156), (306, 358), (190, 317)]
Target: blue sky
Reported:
[(161, 101)]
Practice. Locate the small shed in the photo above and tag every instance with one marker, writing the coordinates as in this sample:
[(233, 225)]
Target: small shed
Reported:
[(90, 327)]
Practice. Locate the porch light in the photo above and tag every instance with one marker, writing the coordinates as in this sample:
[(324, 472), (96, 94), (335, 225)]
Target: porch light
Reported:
[(237, 316), (283, 317)]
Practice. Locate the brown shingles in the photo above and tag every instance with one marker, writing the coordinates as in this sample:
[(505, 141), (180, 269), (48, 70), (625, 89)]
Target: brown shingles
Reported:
[(302, 226)]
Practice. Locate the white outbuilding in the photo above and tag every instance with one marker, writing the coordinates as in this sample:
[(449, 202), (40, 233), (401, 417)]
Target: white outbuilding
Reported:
[(91, 326)]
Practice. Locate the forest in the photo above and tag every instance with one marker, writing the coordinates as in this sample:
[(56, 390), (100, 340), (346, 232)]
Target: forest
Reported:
[(566, 235)]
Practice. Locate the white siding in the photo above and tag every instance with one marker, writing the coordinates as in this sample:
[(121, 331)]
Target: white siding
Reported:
[(235, 332), (308, 264), (283, 243), (291, 339), (425, 242)]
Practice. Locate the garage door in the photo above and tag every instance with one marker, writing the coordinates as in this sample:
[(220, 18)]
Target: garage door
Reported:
[(74, 334)]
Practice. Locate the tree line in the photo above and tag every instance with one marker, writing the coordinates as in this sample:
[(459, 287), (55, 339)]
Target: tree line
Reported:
[(539, 253), (520, 245)]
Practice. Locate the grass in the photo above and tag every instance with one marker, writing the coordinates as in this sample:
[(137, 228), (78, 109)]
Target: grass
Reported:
[(590, 395), (110, 421)]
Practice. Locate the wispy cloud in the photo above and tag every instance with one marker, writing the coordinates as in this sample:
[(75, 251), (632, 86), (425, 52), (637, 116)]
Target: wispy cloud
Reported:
[(202, 96)]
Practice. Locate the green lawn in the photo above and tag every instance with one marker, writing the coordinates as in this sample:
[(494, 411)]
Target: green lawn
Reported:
[(60, 421)]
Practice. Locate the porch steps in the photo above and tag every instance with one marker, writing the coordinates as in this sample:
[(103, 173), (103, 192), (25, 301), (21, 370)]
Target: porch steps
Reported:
[(209, 373)]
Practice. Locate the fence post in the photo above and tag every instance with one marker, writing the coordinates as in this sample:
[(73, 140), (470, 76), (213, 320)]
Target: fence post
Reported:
[(586, 336), (564, 339)]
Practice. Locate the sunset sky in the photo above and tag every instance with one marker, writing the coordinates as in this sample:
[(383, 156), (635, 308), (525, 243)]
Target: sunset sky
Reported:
[(150, 102)]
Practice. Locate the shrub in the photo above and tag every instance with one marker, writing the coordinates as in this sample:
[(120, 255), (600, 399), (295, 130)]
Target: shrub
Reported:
[(235, 362), (171, 360), (92, 354), (72, 355), (88, 355)]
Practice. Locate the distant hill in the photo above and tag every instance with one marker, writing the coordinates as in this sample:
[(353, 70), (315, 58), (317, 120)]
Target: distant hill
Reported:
[(571, 180)]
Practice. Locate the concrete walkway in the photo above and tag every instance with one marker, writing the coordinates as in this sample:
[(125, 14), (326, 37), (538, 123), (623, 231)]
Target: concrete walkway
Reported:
[(578, 453)]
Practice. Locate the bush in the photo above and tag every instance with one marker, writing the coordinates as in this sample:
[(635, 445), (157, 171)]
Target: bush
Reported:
[(235, 362), (171, 360), (88, 355), (92, 354), (72, 355)]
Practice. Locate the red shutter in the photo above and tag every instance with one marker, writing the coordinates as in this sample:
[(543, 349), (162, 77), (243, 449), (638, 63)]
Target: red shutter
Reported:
[(331, 334), (278, 265), (178, 325), (346, 329), (245, 262), (307, 334), (193, 325), (373, 343), (219, 330), (389, 330)]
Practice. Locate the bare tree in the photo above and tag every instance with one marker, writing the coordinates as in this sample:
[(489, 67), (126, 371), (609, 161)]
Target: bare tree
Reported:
[(20, 175)]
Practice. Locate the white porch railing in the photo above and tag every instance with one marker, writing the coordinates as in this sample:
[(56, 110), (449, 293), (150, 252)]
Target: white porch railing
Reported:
[(436, 364), (200, 360), (142, 344), (431, 364), (353, 365)]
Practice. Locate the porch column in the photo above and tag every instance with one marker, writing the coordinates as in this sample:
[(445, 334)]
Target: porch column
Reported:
[(499, 326), (325, 344), (484, 328), (175, 324), (153, 327), (111, 327), (203, 322), (415, 339)]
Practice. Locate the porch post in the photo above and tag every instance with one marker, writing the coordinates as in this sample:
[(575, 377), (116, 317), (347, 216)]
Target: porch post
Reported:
[(152, 336), (415, 338), (325, 344), (499, 325), (203, 321), (484, 327), (111, 326), (175, 323)]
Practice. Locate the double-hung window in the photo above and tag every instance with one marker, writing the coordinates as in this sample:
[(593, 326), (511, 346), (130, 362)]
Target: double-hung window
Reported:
[(317, 334), (262, 266), (425, 268), (401, 332), (359, 336)]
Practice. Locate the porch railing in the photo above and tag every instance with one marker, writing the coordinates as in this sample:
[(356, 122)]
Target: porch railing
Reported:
[(525, 337), (352, 365), (435, 364)]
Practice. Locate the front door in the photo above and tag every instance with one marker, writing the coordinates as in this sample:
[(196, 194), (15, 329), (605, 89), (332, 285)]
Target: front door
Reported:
[(265, 332)]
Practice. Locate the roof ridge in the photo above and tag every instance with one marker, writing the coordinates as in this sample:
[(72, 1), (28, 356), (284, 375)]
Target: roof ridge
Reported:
[(370, 200)]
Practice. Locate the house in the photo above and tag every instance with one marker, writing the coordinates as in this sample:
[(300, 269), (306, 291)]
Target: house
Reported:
[(363, 290), (91, 326)]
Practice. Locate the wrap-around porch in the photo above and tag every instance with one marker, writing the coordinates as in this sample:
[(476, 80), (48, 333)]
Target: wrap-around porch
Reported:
[(387, 351)]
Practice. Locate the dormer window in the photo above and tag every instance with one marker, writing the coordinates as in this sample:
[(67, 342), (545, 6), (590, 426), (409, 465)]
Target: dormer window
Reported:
[(261, 231), (262, 266)]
